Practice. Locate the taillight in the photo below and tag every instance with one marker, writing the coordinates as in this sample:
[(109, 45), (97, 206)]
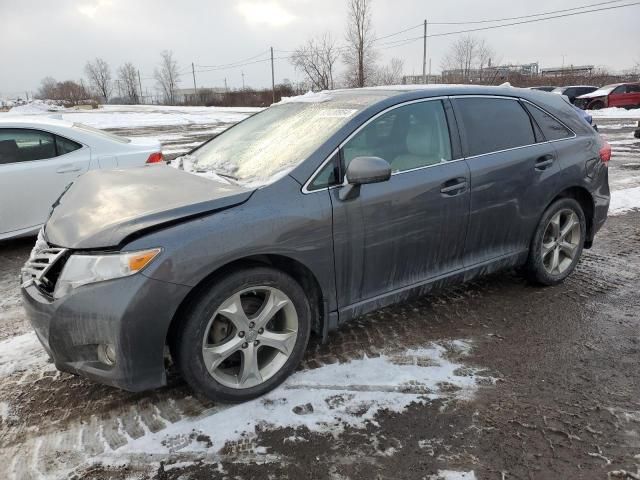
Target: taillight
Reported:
[(605, 152), (155, 157)]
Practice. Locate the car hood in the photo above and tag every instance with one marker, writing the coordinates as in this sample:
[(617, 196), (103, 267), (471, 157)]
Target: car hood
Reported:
[(104, 207), (601, 92)]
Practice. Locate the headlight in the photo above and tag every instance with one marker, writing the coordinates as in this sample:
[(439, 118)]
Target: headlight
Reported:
[(82, 269)]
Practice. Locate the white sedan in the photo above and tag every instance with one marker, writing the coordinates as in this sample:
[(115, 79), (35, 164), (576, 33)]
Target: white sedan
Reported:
[(40, 157)]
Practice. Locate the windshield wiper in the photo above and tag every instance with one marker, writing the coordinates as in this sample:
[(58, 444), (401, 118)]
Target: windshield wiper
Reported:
[(226, 175)]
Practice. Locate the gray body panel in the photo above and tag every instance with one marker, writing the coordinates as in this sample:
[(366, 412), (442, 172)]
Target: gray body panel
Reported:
[(394, 240), (103, 207)]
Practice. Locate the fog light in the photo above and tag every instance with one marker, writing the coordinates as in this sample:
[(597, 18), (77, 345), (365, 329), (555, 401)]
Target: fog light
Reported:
[(107, 354)]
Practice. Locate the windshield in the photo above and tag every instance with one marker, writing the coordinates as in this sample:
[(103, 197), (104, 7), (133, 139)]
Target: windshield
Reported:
[(272, 142), (558, 90)]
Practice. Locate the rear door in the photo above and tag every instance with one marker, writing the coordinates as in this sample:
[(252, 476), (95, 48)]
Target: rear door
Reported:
[(35, 167), (513, 173), (410, 228)]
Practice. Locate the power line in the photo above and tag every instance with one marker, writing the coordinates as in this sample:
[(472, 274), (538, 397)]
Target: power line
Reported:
[(236, 62), (405, 41), (526, 16)]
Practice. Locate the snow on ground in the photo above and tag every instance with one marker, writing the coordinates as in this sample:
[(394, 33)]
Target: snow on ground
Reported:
[(453, 475), (615, 112), (21, 353), (624, 200), (325, 399), (125, 116)]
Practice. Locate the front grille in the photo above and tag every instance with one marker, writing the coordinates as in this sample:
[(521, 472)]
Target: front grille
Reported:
[(44, 265)]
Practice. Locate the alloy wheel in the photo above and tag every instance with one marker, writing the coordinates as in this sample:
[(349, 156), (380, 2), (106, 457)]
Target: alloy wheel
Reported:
[(561, 241), (250, 337)]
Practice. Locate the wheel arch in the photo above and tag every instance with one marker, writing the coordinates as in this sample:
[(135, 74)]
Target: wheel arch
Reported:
[(296, 269), (585, 199)]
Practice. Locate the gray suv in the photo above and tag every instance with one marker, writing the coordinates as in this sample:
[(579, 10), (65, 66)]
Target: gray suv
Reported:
[(306, 215)]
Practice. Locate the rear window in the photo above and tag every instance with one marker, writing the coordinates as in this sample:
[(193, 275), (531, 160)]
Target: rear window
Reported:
[(101, 133), (551, 128), (494, 124)]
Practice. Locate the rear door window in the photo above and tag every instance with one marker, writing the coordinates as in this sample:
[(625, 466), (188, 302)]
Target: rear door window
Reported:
[(24, 145), (551, 128), (494, 124)]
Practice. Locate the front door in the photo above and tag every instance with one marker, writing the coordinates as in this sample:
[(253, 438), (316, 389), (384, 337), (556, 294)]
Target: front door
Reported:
[(35, 168), (411, 228)]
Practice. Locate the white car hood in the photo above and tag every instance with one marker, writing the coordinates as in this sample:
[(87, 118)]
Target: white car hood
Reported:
[(601, 92)]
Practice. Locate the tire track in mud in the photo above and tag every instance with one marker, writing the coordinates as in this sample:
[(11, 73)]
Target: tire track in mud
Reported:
[(53, 420)]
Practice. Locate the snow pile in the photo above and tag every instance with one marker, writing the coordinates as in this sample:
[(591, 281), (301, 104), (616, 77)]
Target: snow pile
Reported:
[(21, 353), (624, 200), (327, 398), (615, 112), (34, 108), (309, 97)]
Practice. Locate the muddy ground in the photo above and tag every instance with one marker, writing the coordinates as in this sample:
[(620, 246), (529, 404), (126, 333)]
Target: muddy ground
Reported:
[(564, 402)]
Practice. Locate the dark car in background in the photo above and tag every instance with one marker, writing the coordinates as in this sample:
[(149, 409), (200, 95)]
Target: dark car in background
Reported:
[(622, 95), (544, 88), (574, 91), (302, 217)]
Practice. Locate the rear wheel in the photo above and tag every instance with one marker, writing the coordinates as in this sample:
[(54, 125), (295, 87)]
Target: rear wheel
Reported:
[(245, 335), (557, 243)]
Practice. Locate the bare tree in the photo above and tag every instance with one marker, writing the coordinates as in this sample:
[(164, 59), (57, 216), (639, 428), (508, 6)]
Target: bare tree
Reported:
[(47, 90), (68, 92), (128, 76), (167, 76), (317, 59), (390, 74), (359, 54), (466, 55), (99, 75)]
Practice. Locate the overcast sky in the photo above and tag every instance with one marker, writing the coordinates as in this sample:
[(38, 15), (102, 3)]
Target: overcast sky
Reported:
[(56, 38)]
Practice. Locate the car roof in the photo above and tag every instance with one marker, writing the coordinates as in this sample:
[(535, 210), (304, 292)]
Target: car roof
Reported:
[(578, 86), (34, 121), (426, 91)]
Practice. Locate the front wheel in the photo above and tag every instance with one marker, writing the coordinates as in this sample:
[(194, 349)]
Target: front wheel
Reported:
[(557, 243), (245, 335)]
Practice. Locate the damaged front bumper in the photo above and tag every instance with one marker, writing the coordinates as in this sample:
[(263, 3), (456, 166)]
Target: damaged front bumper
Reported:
[(130, 315)]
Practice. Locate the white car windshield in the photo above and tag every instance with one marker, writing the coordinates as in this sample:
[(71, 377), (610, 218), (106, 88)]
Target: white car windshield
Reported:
[(272, 142)]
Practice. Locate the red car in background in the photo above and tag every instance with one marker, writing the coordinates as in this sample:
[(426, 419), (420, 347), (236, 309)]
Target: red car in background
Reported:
[(624, 95)]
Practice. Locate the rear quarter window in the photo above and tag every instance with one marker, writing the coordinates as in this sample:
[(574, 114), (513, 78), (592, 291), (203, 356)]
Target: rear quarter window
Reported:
[(551, 128), (494, 124)]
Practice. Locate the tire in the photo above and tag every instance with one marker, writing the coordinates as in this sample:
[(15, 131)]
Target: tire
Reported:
[(212, 326), (596, 105), (548, 249)]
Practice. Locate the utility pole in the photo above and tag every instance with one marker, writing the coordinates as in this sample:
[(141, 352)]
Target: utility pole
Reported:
[(242, 73), (140, 87), (193, 72), (273, 81), (424, 54), (226, 89)]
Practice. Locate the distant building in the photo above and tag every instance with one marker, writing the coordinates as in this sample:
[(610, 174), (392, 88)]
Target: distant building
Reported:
[(191, 95), (419, 79), (567, 71), (490, 73)]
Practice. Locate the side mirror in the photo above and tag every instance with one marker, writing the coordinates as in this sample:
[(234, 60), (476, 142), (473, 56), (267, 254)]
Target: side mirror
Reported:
[(363, 170)]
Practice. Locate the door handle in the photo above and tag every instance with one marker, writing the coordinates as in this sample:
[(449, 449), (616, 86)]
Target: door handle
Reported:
[(68, 169), (453, 187), (544, 162)]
